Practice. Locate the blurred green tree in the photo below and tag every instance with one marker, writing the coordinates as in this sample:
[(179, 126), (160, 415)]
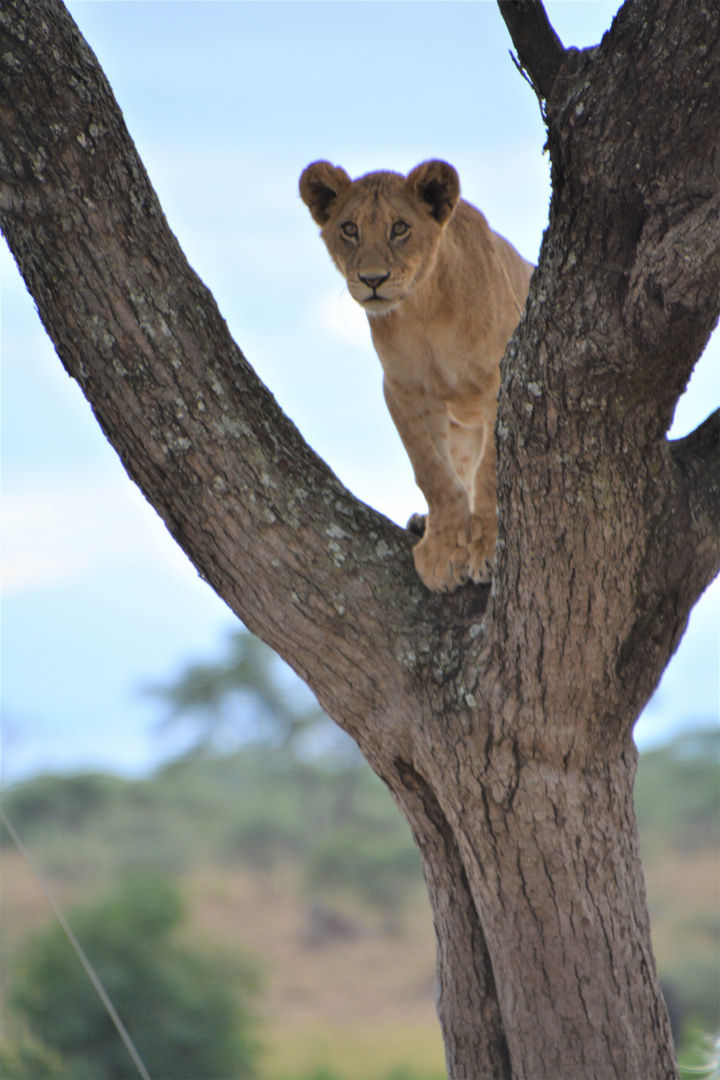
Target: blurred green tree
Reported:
[(23, 1057), (186, 1011), (249, 695), (68, 802)]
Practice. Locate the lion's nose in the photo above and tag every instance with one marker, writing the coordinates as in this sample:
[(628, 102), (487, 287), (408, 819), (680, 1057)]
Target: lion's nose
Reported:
[(373, 280)]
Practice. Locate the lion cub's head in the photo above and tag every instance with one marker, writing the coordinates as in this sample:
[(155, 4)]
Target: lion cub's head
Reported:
[(383, 230)]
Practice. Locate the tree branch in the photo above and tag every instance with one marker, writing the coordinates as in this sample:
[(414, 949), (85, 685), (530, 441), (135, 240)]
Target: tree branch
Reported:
[(539, 48), (636, 200), (325, 580)]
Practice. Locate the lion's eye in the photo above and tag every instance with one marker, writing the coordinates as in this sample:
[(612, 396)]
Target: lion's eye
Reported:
[(399, 228), (349, 228)]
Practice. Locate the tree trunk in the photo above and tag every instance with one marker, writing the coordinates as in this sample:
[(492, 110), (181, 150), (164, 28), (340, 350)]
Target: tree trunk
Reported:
[(501, 719)]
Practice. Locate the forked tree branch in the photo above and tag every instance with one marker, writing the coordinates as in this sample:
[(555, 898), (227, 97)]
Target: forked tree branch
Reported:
[(504, 734), (539, 48), (627, 290)]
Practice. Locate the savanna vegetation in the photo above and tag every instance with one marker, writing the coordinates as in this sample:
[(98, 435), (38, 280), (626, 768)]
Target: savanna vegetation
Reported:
[(186, 1007), (287, 856)]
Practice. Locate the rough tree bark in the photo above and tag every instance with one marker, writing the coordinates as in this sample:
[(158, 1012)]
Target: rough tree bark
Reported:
[(500, 718)]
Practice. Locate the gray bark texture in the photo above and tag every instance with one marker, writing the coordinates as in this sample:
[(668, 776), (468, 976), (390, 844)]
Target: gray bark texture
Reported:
[(500, 717)]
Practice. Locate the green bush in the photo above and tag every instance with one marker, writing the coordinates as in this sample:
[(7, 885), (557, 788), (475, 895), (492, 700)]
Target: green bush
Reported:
[(62, 803), (186, 1011), (23, 1057)]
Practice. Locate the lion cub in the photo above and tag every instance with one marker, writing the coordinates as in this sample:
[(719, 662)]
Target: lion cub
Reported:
[(443, 294)]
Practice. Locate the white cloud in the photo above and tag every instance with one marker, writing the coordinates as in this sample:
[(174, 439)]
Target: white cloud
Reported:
[(389, 488), (336, 315), (62, 528)]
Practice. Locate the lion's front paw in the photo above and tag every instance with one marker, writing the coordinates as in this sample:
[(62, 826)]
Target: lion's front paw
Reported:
[(441, 562), (481, 550), (480, 564)]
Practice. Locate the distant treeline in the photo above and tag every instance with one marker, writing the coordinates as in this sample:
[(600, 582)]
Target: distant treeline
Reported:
[(334, 819)]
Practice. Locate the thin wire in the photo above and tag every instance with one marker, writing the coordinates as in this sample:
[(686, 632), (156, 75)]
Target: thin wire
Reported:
[(121, 1030)]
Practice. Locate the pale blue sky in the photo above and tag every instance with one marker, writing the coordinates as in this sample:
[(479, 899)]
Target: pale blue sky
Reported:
[(227, 102)]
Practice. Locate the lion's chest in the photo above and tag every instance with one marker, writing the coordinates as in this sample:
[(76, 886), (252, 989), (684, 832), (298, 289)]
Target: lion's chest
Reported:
[(435, 359)]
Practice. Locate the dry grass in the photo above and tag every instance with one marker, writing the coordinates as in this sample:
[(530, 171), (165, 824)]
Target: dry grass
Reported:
[(683, 890), (23, 906), (340, 977), (359, 1007), (355, 1052)]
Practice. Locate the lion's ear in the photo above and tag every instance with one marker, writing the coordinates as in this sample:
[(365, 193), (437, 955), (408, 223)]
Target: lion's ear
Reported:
[(437, 185), (320, 185)]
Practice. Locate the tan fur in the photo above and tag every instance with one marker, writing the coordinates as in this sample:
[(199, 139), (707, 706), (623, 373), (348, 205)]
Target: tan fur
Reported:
[(443, 294)]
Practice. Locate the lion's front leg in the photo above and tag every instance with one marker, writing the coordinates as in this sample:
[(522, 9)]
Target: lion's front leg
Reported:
[(483, 521), (442, 556)]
